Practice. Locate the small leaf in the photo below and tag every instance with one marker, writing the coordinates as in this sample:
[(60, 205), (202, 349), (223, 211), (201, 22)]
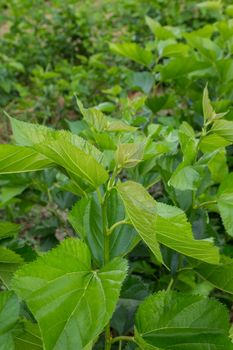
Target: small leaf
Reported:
[(128, 155), (68, 297), (134, 52), (171, 320), (208, 110)]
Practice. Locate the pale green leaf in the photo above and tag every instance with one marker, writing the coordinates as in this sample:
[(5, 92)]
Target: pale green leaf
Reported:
[(171, 320), (223, 128), (16, 159), (184, 178), (128, 155), (160, 32), (74, 160), (157, 222), (140, 208), (208, 110), (134, 52), (212, 142), (28, 134), (68, 297), (218, 165), (188, 143)]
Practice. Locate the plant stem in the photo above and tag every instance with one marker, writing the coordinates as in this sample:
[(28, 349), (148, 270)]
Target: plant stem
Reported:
[(106, 260), (118, 223), (169, 287), (122, 338), (207, 203), (110, 185)]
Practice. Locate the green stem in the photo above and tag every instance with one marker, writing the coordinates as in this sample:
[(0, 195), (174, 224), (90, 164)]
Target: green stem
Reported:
[(107, 244), (207, 203), (122, 338), (118, 223), (169, 287), (106, 260)]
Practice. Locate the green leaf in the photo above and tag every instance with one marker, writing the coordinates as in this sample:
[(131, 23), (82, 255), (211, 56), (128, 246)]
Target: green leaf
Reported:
[(160, 32), (170, 320), (184, 178), (188, 143), (9, 313), (128, 155), (27, 336), (67, 297), (157, 222), (134, 52), (28, 134), (16, 159), (208, 110), (176, 50), (86, 218), (206, 47), (179, 67), (218, 166), (213, 142), (221, 276), (223, 128), (8, 229), (225, 203), (74, 160), (9, 263), (140, 207)]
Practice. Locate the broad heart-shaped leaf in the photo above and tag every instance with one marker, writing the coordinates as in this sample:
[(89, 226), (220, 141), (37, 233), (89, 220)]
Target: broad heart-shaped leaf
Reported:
[(157, 222), (16, 159), (71, 302), (9, 263), (221, 276), (28, 134), (134, 52), (225, 203), (8, 229), (170, 320), (9, 313), (74, 160)]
